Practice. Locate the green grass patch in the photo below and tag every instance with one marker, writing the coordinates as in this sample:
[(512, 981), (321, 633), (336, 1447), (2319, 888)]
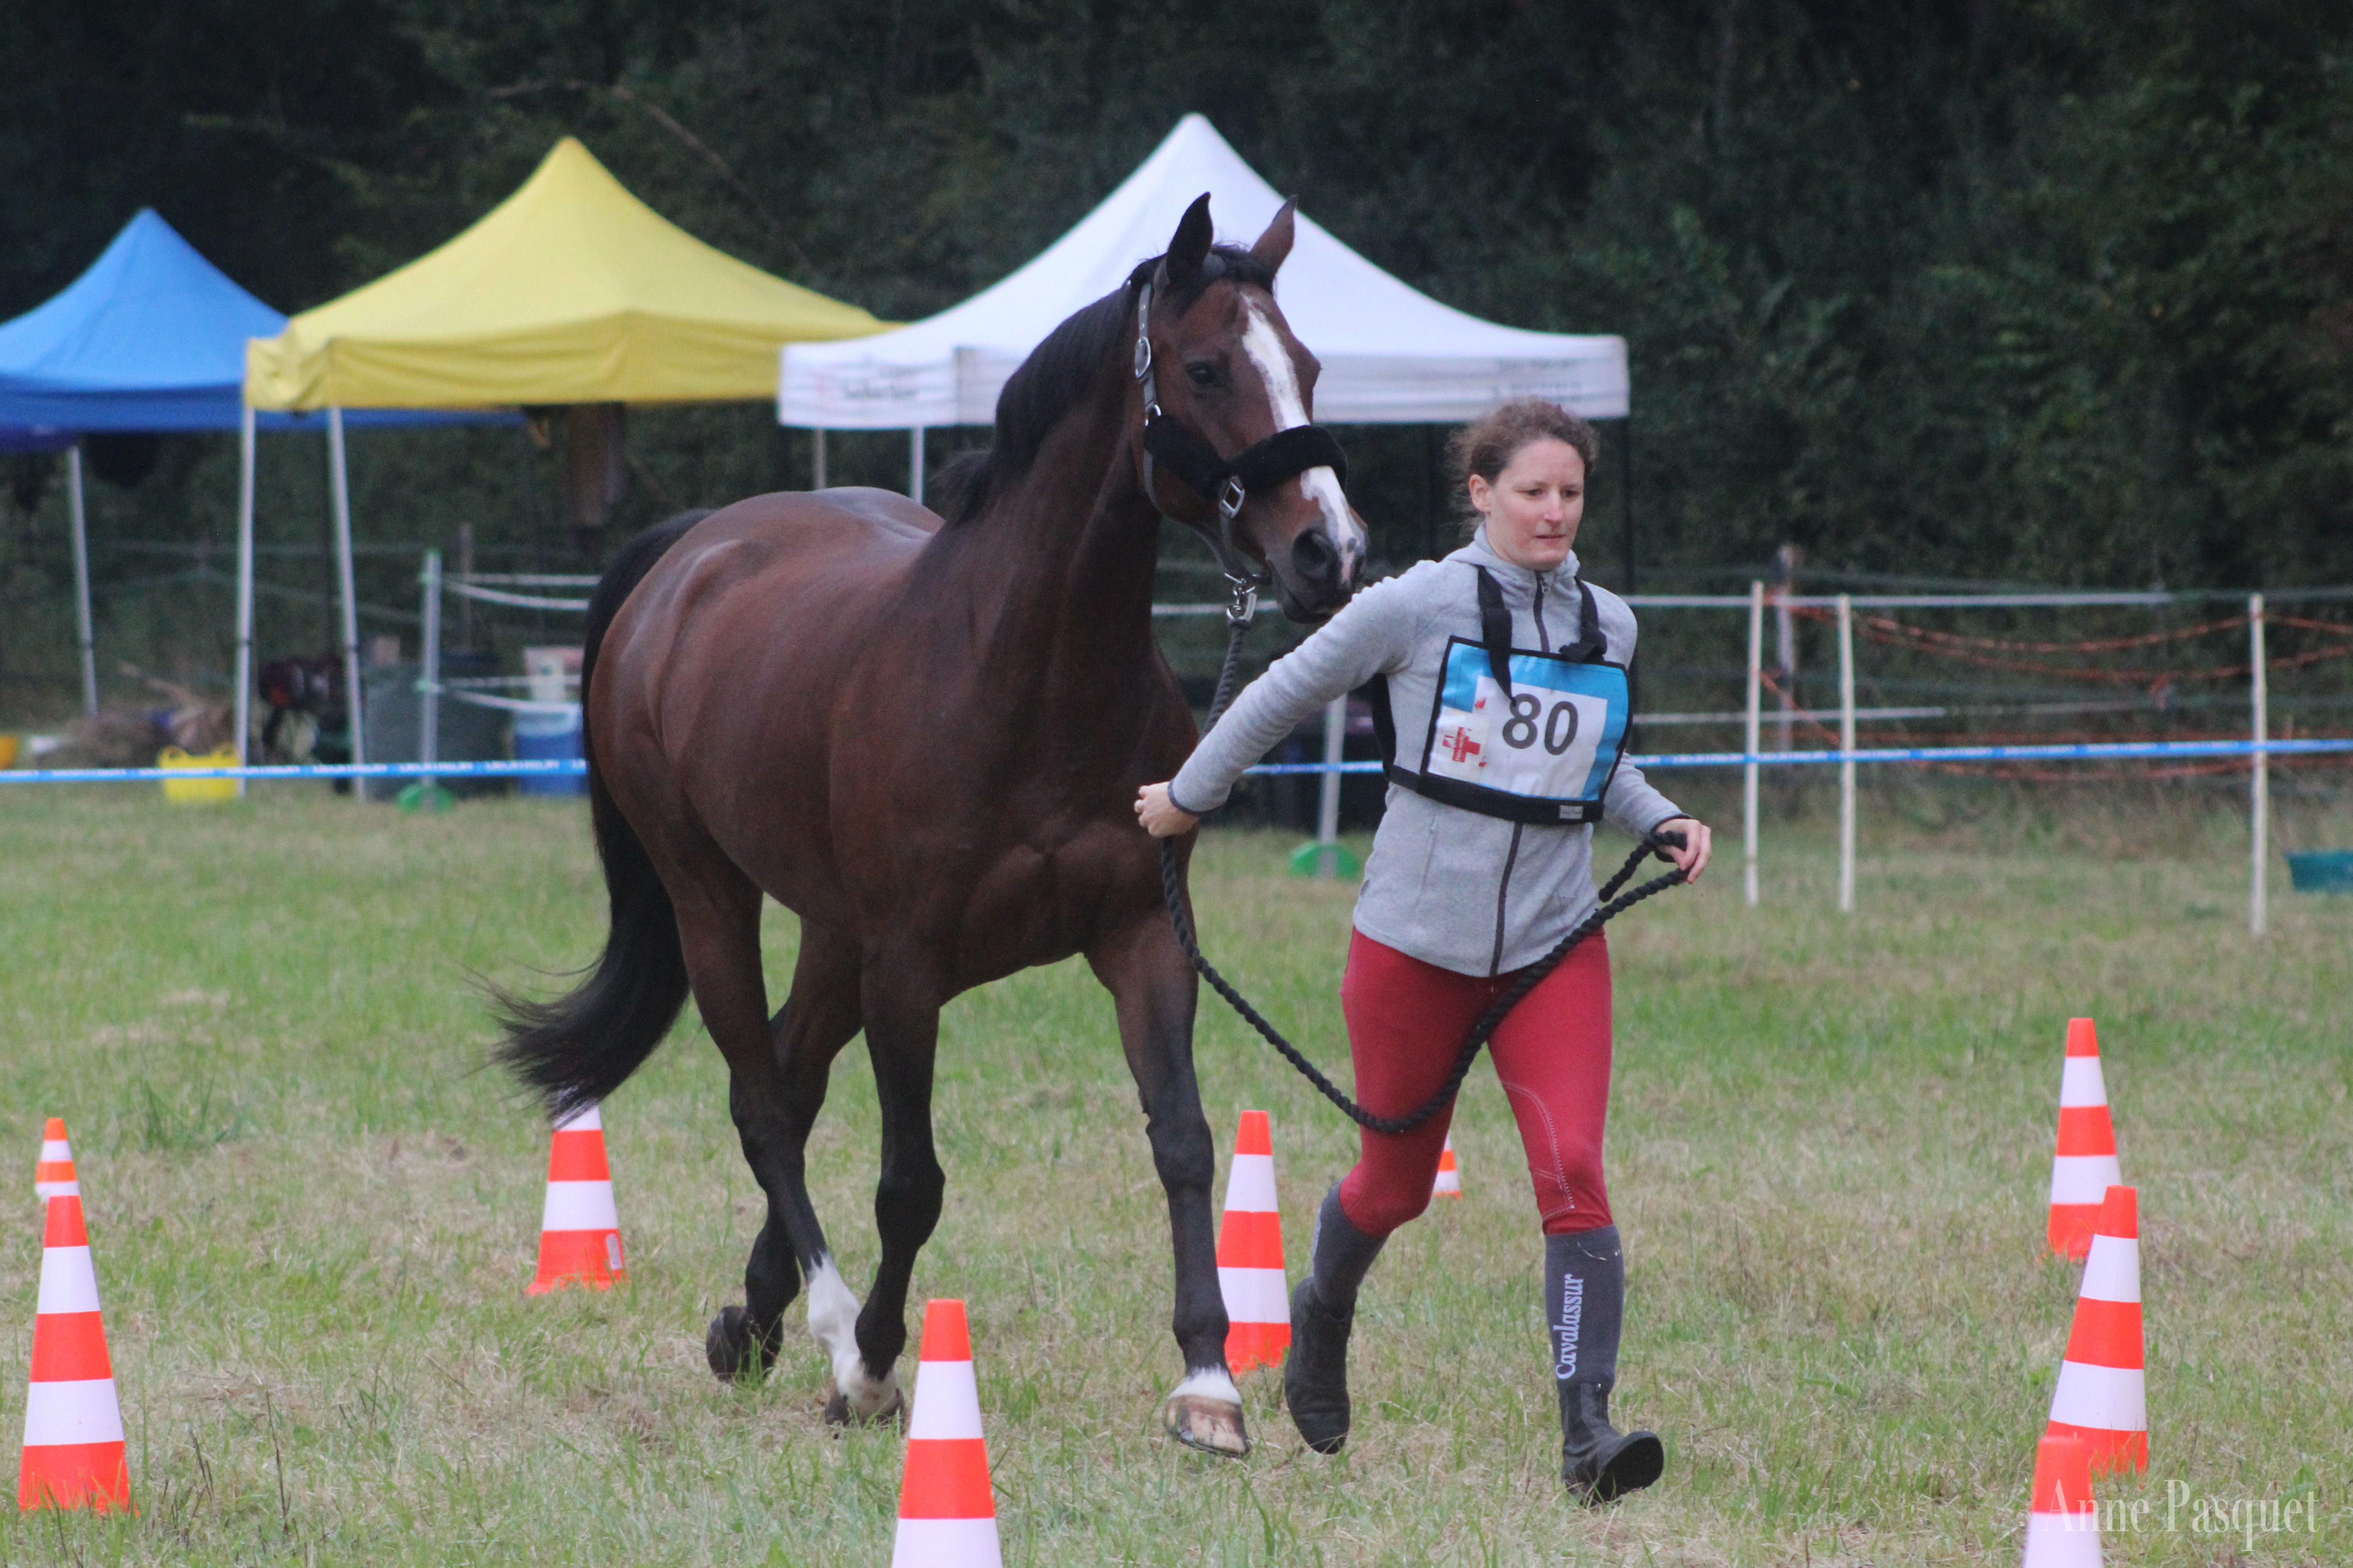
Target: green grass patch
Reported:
[(314, 1212)]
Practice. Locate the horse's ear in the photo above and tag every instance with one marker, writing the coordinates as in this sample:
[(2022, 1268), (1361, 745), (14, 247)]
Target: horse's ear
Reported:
[(1190, 247), (1271, 246)]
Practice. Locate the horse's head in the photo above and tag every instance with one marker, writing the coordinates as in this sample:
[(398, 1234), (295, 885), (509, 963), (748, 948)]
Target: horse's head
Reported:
[(1218, 381)]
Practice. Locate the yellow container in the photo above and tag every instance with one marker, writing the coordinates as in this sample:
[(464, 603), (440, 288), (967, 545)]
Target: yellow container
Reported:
[(7, 751), (187, 790)]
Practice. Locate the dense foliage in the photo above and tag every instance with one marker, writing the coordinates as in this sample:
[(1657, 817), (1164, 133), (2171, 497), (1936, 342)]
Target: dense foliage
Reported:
[(2050, 291)]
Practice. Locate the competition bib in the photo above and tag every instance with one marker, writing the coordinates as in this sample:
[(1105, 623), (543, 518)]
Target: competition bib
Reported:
[(1542, 751)]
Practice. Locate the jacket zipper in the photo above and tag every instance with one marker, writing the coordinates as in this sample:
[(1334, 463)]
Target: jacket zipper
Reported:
[(1503, 892), (1544, 639)]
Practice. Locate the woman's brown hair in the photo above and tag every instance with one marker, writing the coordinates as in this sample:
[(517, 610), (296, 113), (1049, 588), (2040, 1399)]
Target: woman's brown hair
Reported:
[(1487, 445)]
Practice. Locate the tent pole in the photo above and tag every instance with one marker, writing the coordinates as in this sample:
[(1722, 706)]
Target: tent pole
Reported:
[(340, 492), (82, 581), (915, 465), (244, 702), (817, 447)]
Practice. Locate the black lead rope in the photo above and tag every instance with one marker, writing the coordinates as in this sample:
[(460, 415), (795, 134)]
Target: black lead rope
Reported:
[(1612, 905)]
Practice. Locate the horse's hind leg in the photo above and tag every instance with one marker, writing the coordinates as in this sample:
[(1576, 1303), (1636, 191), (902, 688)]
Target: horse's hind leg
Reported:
[(902, 1003), (774, 1097)]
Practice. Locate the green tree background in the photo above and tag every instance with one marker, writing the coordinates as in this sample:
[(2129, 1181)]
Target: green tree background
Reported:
[(2050, 292)]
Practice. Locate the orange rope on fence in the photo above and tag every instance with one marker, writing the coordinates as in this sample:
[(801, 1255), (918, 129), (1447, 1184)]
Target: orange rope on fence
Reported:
[(1950, 645)]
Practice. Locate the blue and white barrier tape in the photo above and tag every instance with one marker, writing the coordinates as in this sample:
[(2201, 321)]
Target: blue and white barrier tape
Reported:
[(2083, 752)]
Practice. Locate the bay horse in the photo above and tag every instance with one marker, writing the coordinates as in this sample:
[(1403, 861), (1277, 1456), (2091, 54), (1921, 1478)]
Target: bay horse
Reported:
[(924, 736)]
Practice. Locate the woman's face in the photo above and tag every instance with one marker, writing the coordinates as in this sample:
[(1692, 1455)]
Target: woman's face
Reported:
[(1532, 509)]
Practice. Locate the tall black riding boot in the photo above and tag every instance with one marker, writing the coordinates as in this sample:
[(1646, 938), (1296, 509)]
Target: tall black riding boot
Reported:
[(1323, 1310), (1585, 1286)]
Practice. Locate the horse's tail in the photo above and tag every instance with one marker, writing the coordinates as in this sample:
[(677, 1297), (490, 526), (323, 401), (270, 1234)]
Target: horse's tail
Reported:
[(581, 1046)]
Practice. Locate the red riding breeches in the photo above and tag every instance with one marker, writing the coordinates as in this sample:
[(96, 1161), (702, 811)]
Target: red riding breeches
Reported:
[(1405, 1021)]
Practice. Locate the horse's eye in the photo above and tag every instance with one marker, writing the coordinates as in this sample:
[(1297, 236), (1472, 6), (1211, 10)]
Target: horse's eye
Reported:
[(1202, 374)]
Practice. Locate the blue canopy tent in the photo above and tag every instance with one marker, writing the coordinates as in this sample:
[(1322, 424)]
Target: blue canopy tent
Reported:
[(151, 339)]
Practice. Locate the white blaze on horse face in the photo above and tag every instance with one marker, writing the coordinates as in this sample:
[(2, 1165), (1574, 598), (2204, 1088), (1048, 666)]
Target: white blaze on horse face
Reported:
[(1264, 346), (833, 1323)]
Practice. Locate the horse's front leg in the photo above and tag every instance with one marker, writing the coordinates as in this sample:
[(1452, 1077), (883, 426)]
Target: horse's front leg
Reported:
[(1148, 977), (901, 1005)]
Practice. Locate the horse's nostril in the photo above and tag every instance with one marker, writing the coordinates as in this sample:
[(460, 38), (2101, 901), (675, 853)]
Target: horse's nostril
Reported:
[(1314, 559)]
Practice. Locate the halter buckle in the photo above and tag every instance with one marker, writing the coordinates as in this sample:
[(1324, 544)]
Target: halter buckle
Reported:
[(1142, 356), (1242, 600), (1230, 497)]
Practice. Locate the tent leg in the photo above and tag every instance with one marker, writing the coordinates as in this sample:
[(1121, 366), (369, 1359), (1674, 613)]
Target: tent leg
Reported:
[(915, 465), (340, 492), (817, 449), (244, 701), (82, 581), (2258, 770)]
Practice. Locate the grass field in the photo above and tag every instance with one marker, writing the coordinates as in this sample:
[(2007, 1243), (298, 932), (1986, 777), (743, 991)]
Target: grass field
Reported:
[(314, 1215)]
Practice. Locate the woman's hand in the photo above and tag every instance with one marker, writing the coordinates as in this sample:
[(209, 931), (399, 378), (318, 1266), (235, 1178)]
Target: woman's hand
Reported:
[(1691, 859), (1163, 817)]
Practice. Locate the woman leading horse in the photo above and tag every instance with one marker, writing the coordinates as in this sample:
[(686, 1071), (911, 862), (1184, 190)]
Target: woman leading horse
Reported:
[(1501, 696), (922, 736)]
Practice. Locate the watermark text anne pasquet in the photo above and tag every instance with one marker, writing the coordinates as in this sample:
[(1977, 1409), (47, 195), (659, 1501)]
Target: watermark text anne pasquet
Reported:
[(2185, 1511)]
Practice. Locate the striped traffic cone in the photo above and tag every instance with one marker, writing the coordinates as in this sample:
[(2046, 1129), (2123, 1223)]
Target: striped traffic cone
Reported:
[(948, 1517), (579, 1230), (2102, 1395), (1249, 1254), (1449, 1184), (2086, 1165), (2062, 1527), (53, 1175), (73, 1423)]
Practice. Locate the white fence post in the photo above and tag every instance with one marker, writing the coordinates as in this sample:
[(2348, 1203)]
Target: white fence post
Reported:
[(243, 703), (1749, 769), (1846, 748), (2258, 770), (817, 447), (915, 465), (428, 689), (1327, 805), (339, 491), (82, 625)]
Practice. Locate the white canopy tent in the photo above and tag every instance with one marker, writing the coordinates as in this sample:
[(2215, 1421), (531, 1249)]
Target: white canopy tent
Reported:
[(1391, 354)]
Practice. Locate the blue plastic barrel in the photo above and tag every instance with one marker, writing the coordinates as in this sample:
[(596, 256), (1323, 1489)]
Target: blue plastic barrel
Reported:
[(2321, 871), (549, 737)]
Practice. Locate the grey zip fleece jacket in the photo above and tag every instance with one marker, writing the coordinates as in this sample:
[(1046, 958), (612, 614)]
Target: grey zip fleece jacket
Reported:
[(1474, 894)]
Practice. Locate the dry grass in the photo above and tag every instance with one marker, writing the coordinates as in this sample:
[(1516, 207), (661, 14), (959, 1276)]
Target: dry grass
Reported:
[(313, 1217)]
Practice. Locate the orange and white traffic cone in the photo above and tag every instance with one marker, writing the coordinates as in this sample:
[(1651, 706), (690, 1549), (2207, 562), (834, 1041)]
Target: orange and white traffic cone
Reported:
[(73, 1423), (2086, 1165), (947, 1517), (2063, 1526), (2102, 1395), (1449, 1184), (53, 1175), (1249, 1254), (579, 1229)]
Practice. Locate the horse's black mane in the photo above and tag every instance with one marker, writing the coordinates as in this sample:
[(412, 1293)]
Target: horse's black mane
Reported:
[(1061, 370)]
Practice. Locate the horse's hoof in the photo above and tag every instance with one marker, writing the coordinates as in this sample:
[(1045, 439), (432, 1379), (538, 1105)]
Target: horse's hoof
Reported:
[(876, 1403), (1205, 1413), (737, 1353)]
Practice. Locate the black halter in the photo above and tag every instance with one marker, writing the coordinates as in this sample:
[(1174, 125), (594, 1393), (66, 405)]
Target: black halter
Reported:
[(1224, 483)]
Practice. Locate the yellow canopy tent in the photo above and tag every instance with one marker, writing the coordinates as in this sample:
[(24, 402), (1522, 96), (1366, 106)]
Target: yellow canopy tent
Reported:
[(571, 291)]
